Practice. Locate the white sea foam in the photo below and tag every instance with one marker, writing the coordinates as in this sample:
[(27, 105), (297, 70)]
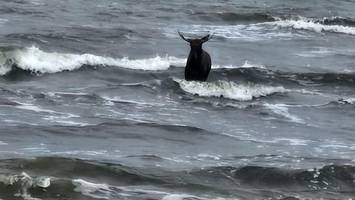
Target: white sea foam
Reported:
[(105, 191), (290, 141), (246, 64), (3, 143), (348, 100), (251, 32), (56, 117), (94, 190), (230, 90), (260, 31), (188, 197), (26, 182), (179, 197), (319, 52), (36, 60), (34, 108), (37, 2), (3, 21), (281, 109), (312, 25), (143, 103), (205, 156)]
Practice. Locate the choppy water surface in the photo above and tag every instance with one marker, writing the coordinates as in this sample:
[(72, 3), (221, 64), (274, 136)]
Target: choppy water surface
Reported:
[(93, 104)]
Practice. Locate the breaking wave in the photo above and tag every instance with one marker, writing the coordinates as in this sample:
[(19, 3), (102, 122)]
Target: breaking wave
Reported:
[(248, 32), (267, 29), (230, 90), (35, 60), (282, 110), (347, 101), (334, 25)]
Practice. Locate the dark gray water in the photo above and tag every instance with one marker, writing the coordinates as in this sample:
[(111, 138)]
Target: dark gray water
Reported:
[(93, 104)]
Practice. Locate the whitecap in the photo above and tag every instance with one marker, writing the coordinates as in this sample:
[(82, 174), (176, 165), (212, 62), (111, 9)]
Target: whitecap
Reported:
[(246, 64), (281, 109), (303, 23), (94, 190), (204, 156), (3, 21), (34, 108), (347, 100), (35, 60), (249, 32), (291, 141), (179, 197), (230, 90)]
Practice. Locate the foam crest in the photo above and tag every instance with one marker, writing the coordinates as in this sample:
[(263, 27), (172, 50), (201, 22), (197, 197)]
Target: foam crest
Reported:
[(312, 25), (189, 197), (35, 60), (179, 197), (3, 21), (248, 32), (230, 90), (94, 190), (246, 64), (281, 109), (347, 100)]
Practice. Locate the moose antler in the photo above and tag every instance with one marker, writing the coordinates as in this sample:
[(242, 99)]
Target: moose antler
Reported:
[(207, 37), (187, 40)]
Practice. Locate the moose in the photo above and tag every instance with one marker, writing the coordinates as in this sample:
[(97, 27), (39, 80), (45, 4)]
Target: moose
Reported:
[(198, 63)]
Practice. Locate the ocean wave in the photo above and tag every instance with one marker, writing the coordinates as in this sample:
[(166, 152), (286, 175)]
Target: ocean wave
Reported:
[(325, 78), (246, 64), (316, 25), (267, 29), (120, 180), (105, 191), (230, 90), (248, 32), (35, 60), (336, 20), (329, 177)]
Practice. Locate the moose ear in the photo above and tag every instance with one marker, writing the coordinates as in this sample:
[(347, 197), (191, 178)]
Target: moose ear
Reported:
[(206, 38)]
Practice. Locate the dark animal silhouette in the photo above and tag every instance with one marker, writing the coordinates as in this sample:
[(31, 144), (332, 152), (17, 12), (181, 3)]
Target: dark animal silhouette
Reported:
[(198, 63)]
